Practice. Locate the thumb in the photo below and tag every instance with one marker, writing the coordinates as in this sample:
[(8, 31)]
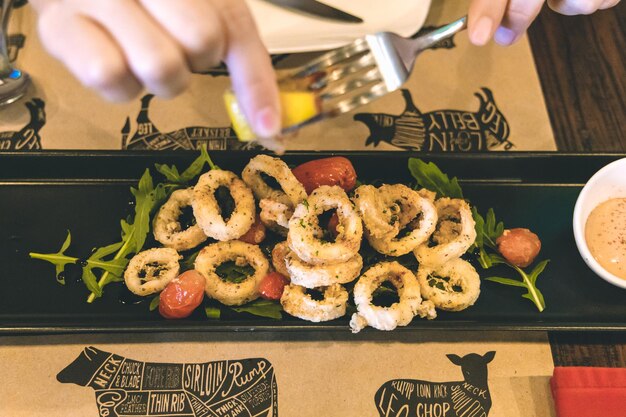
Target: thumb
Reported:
[(252, 76)]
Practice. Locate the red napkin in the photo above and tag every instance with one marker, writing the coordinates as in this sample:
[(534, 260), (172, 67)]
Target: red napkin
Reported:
[(589, 392)]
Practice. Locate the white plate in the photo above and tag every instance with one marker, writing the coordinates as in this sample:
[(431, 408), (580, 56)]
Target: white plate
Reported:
[(285, 32)]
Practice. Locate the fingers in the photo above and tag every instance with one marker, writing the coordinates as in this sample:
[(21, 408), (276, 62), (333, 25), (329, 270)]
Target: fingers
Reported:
[(152, 55), (195, 25), (517, 18), (88, 52), (484, 16), (252, 76), (575, 7)]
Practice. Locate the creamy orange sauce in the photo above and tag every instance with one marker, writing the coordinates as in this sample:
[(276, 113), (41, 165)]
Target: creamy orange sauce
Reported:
[(605, 233)]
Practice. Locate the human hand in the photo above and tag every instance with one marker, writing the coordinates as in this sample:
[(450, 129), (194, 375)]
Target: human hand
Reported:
[(119, 47), (507, 20)]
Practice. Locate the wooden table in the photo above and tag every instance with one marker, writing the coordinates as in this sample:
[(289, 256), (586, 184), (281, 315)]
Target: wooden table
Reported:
[(581, 62)]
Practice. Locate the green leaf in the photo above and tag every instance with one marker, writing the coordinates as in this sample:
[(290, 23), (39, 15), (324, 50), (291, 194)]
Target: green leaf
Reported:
[(262, 308), (212, 313), (196, 166), (154, 303), (429, 176), (90, 280), (534, 274), (507, 281), (539, 301), (231, 272), (100, 253), (58, 259), (169, 172), (480, 227), (188, 262)]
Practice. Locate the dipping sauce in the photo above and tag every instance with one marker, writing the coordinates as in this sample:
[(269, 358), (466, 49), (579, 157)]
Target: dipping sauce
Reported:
[(605, 233)]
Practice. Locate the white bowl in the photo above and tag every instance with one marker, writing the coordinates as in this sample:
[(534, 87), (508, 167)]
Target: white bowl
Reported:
[(609, 182)]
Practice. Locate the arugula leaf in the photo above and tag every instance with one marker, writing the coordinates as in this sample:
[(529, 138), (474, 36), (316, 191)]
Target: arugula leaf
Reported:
[(231, 272), (91, 282), (262, 308), (528, 282), (195, 168), (429, 176), (154, 303), (212, 313), (112, 259), (58, 259)]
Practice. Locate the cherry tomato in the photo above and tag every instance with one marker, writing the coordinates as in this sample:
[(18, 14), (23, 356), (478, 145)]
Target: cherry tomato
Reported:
[(336, 170), (519, 246), (272, 286), (332, 224), (256, 234), (182, 295)]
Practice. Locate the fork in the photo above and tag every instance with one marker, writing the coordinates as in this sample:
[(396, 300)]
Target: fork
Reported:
[(363, 71)]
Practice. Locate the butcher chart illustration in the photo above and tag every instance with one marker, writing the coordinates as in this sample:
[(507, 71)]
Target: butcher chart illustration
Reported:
[(27, 138), (127, 387), (410, 397), (148, 136), (441, 130)]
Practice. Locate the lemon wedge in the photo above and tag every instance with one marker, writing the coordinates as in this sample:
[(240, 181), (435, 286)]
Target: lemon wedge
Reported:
[(297, 107)]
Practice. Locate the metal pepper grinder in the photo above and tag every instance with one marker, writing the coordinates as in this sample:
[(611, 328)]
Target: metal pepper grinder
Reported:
[(13, 82)]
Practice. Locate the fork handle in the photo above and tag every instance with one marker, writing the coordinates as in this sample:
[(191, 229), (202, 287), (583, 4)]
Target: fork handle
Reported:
[(444, 32)]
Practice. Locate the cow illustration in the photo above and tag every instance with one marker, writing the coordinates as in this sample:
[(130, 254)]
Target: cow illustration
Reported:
[(126, 387), (28, 137), (467, 398), (440, 130), (147, 136)]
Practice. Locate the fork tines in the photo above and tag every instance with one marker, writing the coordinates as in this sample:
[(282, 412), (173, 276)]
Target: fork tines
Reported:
[(344, 78)]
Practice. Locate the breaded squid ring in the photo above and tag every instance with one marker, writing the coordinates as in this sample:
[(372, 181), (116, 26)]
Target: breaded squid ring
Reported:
[(207, 210), (279, 253), (168, 230), (150, 271), (378, 217), (298, 303), (314, 276), (459, 280), (411, 204), (400, 313), (275, 215), (453, 236), (292, 192), (242, 253), (303, 236)]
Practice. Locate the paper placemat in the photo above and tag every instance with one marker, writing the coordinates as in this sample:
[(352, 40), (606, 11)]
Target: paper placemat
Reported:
[(459, 98), (431, 374)]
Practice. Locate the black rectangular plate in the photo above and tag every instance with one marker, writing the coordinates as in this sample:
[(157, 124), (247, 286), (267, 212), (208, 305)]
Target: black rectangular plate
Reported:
[(44, 194)]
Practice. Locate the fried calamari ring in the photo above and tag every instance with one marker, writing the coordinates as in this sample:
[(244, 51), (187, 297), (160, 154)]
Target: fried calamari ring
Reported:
[(453, 236), (242, 253), (314, 276), (292, 191), (150, 271), (411, 205), (379, 218), (298, 303), (279, 253), (208, 213), (167, 228), (275, 215), (303, 236), (453, 286), (398, 314)]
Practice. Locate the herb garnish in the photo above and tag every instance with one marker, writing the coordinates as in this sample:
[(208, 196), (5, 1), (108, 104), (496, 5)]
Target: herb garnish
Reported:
[(112, 259), (488, 229)]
